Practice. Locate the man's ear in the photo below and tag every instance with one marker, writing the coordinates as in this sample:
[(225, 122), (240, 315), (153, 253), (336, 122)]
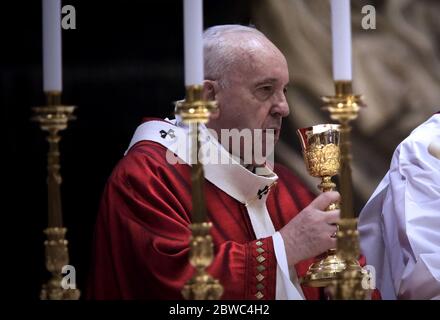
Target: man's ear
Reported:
[(209, 90), (209, 93)]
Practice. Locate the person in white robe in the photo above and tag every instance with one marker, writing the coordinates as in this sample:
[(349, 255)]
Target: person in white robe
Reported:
[(400, 224)]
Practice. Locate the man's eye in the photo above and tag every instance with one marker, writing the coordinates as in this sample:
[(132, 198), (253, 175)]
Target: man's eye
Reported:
[(264, 92), (266, 88), (285, 90)]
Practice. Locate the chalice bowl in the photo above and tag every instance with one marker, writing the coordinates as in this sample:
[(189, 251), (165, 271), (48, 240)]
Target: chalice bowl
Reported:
[(320, 146)]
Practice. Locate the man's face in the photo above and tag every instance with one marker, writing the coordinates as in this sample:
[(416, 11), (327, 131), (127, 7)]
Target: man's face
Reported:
[(253, 96)]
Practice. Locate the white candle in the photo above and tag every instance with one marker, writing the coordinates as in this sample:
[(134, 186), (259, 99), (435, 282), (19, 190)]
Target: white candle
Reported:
[(52, 77), (193, 37), (341, 35)]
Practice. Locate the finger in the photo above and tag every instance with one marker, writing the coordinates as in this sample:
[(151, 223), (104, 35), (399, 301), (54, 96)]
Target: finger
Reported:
[(332, 217), (322, 201), (330, 228), (333, 230), (330, 243)]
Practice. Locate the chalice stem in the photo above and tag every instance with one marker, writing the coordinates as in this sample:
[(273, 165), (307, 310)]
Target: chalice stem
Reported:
[(327, 185)]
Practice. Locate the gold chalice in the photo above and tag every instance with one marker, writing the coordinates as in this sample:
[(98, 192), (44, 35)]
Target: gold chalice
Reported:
[(320, 145)]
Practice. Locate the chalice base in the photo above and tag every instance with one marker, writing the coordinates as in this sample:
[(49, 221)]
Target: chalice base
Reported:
[(324, 272)]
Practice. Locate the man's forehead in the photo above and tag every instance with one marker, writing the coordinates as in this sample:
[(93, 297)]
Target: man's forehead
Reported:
[(259, 71), (265, 66), (266, 80)]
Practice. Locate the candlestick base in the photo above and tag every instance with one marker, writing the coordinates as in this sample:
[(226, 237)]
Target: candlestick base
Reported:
[(57, 257)]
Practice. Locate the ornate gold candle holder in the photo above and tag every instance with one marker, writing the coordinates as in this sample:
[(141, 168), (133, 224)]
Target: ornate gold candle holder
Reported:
[(54, 118), (344, 107), (202, 286), (320, 145)]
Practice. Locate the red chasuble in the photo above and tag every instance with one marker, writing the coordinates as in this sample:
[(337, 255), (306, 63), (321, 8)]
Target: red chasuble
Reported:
[(142, 235)]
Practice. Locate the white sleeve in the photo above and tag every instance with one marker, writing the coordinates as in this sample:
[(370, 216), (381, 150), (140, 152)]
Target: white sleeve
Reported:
[(413, 207), (290, 288)]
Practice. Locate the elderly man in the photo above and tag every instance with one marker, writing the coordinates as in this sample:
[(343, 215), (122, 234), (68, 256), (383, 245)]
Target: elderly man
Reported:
[(266, 228), (400, 224)]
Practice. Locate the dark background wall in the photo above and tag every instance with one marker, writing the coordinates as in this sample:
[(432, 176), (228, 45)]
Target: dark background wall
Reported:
[(123, 62)]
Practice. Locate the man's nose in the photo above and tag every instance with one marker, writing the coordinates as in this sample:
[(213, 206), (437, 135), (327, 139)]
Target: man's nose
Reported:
[(280, 107)]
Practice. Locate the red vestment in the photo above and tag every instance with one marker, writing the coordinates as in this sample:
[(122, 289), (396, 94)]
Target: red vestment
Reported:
[(142, 235)]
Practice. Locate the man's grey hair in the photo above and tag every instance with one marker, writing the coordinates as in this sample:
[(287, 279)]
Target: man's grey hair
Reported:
[(220, 50)]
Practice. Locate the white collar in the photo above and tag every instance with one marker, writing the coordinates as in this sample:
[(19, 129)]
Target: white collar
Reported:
[(232, 178)]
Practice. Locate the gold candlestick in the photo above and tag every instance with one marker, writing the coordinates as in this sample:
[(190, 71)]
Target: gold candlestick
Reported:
[(344, 107), (54, 118), (201, 286), (320, 145)]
